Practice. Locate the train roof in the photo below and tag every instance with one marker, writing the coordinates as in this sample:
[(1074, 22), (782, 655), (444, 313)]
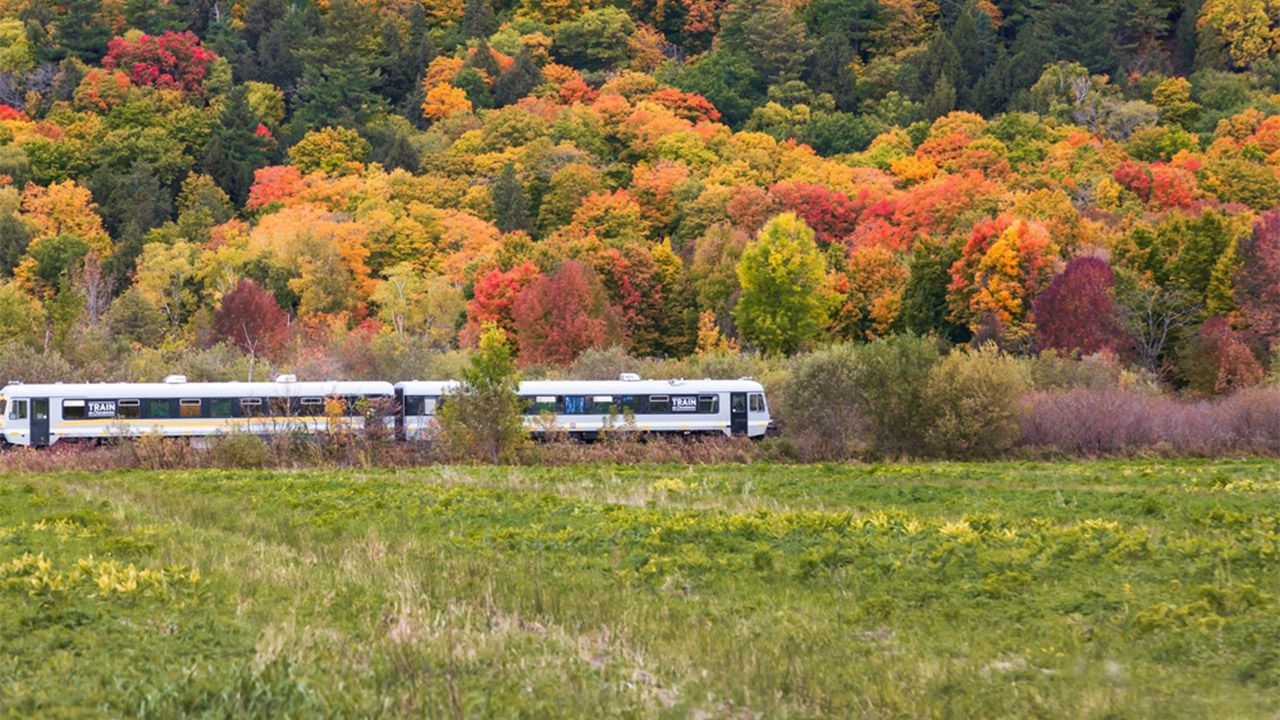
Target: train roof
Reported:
[(637, 387), (327, 388), (600, 387)]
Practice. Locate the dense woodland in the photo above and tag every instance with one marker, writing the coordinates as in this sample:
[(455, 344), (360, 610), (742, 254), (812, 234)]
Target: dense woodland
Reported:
[(351, 187)]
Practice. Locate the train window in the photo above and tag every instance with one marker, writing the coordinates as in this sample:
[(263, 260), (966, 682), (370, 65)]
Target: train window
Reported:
[(280, 407), (189, 408), (3, 403), (18, 410), (575, 405), (602, 404), (129, 409), (73, 410), (541, 404), (659, 404), (220, 408), (351, 405), (39, 409), (413, 405), (709, 404), (737, 403), (756, 402), (630, 403), (250, 407), (312, 407), (158, 409)]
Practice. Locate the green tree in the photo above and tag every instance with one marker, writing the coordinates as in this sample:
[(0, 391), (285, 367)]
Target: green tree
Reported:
[(784, 287), (79, 30), (236, 150), (924, 297), (135, 320), (510, 204), (484, 417), (518, 81), (21, 316), (15, 50), (332, 150), (596, 40), (477, 19)]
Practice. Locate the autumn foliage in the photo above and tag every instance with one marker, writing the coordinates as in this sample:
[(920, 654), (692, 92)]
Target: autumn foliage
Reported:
[(172, 60)]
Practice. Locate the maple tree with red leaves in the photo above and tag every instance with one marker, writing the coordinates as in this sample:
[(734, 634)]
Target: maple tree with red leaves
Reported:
[(494, 294), (250, 319), (562, 314), (171, 61), (1076, 313), (829, 213)]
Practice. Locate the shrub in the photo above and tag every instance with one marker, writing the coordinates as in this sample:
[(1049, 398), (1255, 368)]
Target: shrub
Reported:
[(973, 400), (815, 403), (1089, 421), (240, 450), (1110, 422), (891, 393), (1051, 370)]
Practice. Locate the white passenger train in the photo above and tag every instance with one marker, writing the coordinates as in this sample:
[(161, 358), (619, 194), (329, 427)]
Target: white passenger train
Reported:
[(44, 414), (585, 408)]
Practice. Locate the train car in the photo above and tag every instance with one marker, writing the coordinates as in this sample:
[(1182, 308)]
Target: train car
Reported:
[(417, 402), (44, 414), (585, 408)]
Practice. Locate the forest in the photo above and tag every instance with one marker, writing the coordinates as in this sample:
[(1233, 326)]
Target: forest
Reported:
[(348, 187)]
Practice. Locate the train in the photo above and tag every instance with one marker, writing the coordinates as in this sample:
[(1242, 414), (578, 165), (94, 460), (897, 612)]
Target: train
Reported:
[(40, 415)]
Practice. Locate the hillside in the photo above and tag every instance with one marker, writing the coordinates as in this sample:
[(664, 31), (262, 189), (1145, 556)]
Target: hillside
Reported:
[(186, 184)]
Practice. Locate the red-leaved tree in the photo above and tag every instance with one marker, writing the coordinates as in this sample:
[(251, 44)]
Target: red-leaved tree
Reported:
[(493, 296), (1215, 360), (1076, 313), (1257, 282), (173, 60), (562, 314), (830, 213), (250, 319)]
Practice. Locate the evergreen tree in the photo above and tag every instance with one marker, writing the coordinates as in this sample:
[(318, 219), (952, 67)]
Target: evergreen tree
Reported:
[(852, 20), (831, 70), (1080, 31), (79, 30), (235, 150), (942, 100), (510, 204), (519, 81), (341, 93), (15, 236), (977, 46), (134, 198), (477, 19)]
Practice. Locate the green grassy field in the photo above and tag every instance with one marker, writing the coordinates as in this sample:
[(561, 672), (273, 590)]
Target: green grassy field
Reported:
[(1137, 589)]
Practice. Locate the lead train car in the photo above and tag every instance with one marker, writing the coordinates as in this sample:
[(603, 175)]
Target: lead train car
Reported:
[(44, 414), (583, 408)]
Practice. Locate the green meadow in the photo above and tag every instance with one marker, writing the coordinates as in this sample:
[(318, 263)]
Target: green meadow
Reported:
[(1092, 590)]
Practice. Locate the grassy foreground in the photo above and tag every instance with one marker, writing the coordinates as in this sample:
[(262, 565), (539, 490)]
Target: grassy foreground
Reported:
[(1136, 589)]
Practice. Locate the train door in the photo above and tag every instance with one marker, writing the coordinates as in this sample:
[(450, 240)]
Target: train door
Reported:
[(758, 412), (19, 422), (738, 413), (39, 422)]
